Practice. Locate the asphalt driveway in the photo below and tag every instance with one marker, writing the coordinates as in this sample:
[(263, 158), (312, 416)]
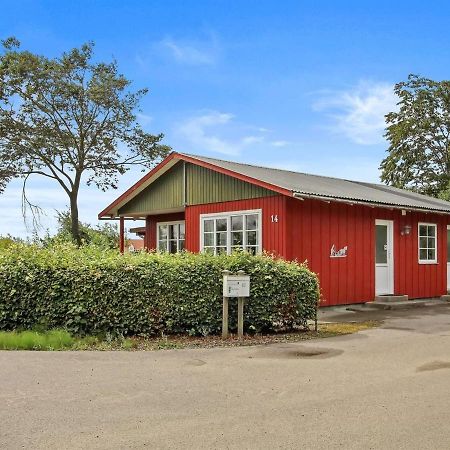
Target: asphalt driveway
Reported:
[(386, 388)]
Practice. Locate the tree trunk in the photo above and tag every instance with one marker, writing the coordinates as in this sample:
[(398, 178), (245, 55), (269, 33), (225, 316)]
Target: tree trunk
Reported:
[(75, 223)]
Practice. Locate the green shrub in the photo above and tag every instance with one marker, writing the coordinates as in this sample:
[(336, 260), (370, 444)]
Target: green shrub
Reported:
[(90, 291)]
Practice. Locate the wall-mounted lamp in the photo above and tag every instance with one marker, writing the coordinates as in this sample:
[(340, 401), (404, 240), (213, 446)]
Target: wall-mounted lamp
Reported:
[(406, 230)]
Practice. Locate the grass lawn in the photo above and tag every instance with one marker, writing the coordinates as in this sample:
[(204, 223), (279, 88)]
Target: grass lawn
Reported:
[(62, 340)]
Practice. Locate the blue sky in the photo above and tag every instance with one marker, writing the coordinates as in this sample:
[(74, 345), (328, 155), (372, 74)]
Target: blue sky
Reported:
[(302, 85)]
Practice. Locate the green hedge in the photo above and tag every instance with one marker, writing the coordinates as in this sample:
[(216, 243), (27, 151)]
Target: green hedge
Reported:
[(90, 291)]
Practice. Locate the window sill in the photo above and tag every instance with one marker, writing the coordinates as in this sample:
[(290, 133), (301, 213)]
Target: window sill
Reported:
[(428, 263)]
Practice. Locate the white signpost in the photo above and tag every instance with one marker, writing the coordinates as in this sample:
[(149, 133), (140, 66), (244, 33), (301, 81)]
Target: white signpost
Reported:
[(234, 286)]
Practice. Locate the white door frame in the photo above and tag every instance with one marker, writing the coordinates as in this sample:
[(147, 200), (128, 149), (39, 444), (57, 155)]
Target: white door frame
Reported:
[(448, 265), (390, 256)]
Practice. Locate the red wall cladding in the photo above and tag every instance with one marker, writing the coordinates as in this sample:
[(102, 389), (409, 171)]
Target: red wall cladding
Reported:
[(306, 231), (273, 233), (314, 226)]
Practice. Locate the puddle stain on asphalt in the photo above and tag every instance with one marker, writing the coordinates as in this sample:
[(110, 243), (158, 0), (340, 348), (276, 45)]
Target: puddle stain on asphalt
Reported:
[(435, 365), (398, 328), (296, 353), (195, 362)]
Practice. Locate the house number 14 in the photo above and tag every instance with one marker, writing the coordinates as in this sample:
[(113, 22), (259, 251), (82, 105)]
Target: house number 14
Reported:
[(274, 218)]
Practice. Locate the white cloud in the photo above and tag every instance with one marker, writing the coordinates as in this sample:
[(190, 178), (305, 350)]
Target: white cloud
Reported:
[(252, 139), (218, 132), (199, 131), (279, 143), (358, 113), (144, 119), (191, 52)]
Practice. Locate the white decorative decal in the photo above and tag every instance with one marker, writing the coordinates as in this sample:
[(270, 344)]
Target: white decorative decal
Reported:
[(342, 253)]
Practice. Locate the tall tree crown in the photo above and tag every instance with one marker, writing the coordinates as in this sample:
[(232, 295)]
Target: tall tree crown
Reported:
[(419, 137), (69, 119)]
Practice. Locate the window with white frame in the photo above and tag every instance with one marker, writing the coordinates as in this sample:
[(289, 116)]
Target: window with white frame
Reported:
[(225, 232), (170, 236), (427, 243)]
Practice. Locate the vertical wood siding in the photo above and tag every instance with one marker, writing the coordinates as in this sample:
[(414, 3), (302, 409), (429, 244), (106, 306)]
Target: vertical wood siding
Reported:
[(273, 233), (165, 193), (314, 226), (207, 186)]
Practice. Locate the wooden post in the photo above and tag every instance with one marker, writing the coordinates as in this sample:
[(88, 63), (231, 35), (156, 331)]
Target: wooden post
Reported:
[(148, 230), (225, 318), (240, 316), (225, 309), (122, 235), (240, 310)]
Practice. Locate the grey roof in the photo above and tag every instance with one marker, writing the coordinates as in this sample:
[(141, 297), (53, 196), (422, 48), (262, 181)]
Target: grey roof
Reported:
[(333, 188)]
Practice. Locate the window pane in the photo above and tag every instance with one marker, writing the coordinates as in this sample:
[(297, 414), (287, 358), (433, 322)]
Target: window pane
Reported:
[(181, 245), (431, 242), (431, 230), (422, 230), (381, 244), (431, 255), (162, 246), (173, 231), (251, 238), (237, 238), (423, 254), (172, 246), (221, 239), (221, 250), (209, 250), (208, 225), (251, 250), (251, 222), (182, 228), (208, 239), (221, 224), (237, 222), (423, 241), (162, 232)]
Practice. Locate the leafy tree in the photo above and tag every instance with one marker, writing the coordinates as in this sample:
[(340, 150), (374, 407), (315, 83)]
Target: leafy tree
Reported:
[(419, 137), (71, 120), (105, 236)]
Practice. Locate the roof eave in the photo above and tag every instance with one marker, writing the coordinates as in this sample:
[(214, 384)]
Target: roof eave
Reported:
[(303, 195)]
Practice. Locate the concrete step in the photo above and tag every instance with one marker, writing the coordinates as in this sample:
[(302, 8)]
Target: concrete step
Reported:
[(391, 298), (422, 303)]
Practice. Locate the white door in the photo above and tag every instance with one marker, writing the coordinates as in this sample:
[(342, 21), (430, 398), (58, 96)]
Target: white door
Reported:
[(448, 258), (384, 257)]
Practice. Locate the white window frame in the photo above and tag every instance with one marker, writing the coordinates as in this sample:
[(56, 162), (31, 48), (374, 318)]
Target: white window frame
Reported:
[(173, 222), (427, 261), (227, 215)]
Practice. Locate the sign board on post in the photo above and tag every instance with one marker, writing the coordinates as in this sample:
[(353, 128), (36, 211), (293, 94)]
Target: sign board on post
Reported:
[(236, 285)]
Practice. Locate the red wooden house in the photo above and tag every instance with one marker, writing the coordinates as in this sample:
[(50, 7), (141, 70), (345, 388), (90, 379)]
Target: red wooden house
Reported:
[(362, 239)]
